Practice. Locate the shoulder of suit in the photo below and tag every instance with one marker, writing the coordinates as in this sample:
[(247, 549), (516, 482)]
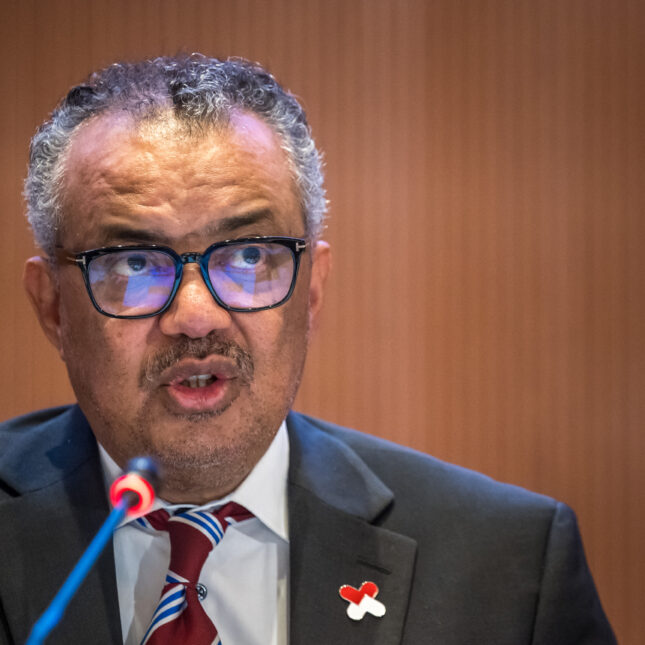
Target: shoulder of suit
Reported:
[(39, 448), (18, 433), (434, 483)]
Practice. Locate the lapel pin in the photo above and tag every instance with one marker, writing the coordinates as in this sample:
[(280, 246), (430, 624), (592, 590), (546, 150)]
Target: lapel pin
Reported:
[(362, 601)]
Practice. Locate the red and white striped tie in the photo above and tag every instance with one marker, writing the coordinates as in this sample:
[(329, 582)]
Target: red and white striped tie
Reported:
[(179, 617)]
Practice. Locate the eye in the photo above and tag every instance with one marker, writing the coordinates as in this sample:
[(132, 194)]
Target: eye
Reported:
[(251, 255), (136, 263), (246, 257), (130, 264)]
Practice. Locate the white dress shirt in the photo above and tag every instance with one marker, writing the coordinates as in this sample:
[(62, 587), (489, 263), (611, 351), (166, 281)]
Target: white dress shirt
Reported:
[(246, 574)]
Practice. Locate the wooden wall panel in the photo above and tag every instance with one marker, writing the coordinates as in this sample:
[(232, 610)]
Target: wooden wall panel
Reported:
[(485, 163)]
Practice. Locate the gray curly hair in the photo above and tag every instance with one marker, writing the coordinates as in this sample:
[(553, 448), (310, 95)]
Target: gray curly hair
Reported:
[(200, 91)]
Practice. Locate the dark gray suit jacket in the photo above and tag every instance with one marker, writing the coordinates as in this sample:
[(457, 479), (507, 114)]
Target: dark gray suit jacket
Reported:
[(458, 557)]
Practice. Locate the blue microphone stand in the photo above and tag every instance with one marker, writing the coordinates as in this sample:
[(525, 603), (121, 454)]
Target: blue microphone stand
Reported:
[(134, 491)]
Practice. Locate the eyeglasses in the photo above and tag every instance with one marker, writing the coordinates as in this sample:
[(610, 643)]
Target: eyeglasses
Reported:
[(249, 274)]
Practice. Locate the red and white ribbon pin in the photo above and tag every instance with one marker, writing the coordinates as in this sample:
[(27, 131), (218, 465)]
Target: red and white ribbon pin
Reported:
[(362, 601)]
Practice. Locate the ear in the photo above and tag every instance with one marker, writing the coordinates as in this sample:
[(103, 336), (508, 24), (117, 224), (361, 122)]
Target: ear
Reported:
[(40, 284), (320, 268)]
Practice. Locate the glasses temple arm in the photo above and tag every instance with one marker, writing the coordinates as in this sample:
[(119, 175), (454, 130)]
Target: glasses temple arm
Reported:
[(64, 256)]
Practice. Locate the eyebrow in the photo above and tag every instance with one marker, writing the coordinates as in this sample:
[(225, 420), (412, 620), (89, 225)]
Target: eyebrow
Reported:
[(222, 228)]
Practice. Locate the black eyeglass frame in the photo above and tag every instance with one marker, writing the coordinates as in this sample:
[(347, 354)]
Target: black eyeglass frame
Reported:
[(296, 245)]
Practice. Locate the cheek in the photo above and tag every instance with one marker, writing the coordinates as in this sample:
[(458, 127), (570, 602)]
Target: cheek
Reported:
[(101, 353), (279, 342), (78, 326)]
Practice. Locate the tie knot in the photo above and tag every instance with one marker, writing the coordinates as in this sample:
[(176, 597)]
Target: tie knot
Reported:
[(212, 524), (193, 534)]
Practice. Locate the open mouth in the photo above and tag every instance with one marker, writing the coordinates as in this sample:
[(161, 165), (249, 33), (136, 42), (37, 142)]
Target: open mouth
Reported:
[(201, 392), (205, 385), (199, 380)]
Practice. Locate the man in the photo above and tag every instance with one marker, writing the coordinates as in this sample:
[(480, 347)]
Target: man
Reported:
[(179, 204)]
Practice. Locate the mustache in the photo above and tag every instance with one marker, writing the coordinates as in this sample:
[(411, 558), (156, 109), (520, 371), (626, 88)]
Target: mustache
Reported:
[(198, 348)]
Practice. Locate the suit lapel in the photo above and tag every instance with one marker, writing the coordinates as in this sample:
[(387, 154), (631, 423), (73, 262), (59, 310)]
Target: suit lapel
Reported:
[(334, 502), (44, 532)]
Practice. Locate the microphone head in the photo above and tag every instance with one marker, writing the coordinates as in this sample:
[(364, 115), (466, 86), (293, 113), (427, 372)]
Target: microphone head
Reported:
[(136, 486), (145, 467)]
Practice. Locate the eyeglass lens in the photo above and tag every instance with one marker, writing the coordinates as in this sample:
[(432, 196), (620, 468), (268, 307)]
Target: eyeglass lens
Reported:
[(136, 282)]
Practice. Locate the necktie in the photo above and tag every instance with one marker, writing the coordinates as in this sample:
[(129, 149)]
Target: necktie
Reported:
[(179, 617)]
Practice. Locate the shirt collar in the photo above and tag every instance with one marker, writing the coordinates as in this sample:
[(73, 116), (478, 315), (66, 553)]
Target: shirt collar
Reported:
[(263, 492)]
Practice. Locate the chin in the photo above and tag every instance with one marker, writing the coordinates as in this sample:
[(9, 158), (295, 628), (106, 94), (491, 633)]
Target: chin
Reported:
[(194, 451), (197, 474), (204, 453)]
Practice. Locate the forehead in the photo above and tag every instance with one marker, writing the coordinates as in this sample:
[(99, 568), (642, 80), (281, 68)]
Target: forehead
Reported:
[(157, 175)]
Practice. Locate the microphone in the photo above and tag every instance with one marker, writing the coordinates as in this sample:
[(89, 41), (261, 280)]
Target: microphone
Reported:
[(131, 494), (136, 486)]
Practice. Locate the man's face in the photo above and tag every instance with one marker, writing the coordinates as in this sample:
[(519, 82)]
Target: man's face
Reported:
[(154, 184)]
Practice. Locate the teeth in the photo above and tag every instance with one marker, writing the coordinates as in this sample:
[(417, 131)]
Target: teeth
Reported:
[(201, 380)]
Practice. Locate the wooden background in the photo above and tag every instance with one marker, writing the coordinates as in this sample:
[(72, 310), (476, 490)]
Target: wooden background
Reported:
[(485, 163)]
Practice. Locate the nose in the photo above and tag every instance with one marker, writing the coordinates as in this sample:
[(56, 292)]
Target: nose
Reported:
[(193, 312)]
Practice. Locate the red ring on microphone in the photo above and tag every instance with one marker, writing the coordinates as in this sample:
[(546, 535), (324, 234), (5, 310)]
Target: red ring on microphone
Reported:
[(131, 482)]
